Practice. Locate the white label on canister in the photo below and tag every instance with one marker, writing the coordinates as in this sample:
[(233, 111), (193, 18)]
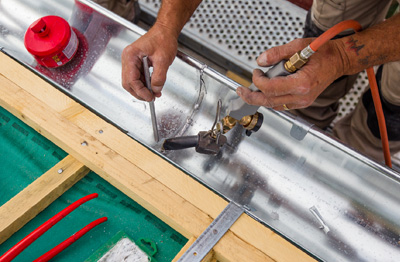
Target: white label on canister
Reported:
[(72, 45)]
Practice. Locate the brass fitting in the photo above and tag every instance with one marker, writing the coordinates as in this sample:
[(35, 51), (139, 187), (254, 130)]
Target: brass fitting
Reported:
[(248, 122), (295, 62), (228, 123)]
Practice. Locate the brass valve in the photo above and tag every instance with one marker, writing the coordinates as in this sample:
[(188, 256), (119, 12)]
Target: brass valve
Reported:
[(251, 123)]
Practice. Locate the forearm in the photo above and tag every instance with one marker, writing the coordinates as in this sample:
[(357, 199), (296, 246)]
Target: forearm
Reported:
[(174, 14), (375, 46)]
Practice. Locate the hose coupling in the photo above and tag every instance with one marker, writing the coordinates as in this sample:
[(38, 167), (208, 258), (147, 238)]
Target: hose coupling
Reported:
[(298, 59)]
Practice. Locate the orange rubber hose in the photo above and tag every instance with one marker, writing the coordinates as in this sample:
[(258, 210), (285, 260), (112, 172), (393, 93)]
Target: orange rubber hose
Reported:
[(328, 35), (333, 31), (379, 115)]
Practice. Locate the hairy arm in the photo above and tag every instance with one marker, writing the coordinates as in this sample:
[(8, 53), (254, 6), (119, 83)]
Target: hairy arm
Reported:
[(160, 44), (375, 46), (174, 14), (345, 56)]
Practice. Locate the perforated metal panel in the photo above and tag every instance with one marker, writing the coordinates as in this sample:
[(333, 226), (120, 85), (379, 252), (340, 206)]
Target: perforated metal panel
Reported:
[(240, 30), (349, 102)]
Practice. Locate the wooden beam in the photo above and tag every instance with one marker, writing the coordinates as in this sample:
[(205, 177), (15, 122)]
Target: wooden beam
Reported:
[(163, 189), (37, 196), (208, 258)]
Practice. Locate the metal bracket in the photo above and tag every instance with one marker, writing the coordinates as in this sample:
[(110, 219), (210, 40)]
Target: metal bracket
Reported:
[(300, 128), (213, 233)]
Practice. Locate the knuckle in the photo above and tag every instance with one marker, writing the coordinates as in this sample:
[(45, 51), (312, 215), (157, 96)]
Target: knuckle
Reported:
[(268, 103)]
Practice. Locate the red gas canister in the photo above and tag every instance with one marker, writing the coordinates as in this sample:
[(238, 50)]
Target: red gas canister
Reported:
[(51, 41)]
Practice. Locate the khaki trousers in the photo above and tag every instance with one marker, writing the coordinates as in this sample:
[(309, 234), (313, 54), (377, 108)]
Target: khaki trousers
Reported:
[(353, 129), (128, 9)]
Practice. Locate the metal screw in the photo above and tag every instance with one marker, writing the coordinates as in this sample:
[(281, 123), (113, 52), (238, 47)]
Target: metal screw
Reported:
[(84, 143), (100, 131), (60, 170)]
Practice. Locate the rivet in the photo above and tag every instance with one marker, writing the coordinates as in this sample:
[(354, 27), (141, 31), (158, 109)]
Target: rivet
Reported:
[(60, 170)]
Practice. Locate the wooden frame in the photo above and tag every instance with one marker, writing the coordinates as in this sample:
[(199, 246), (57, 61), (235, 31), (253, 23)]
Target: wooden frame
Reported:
[(167, 192)]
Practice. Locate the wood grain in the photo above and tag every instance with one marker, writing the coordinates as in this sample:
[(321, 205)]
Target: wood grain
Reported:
[(38, 195)]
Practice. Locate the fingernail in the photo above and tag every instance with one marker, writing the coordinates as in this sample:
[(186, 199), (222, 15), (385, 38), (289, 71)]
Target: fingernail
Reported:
[(156, 89), (239, 91), (262, 59)]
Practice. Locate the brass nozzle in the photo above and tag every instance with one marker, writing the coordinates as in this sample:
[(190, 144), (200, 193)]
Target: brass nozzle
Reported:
[(295, 62), (249, 122)]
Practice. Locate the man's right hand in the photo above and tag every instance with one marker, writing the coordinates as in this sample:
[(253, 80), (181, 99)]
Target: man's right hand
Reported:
[(160, 45)]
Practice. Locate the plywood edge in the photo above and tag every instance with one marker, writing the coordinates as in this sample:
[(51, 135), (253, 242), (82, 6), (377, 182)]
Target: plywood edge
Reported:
[(19, 210)]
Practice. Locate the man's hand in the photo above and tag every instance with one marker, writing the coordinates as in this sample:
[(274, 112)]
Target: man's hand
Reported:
[(300, 89), (160, 45)]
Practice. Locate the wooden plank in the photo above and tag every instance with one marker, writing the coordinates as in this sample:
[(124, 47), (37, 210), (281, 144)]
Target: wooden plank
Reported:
[(37, 196), (208, 258), (150, 171), (184, 248)]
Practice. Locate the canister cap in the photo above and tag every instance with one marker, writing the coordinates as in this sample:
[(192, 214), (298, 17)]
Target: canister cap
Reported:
[(47, 35), (39, 27)]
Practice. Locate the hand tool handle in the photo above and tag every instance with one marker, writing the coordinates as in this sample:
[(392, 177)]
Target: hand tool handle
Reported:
[(182, 142), (238, 108), (147, 78)]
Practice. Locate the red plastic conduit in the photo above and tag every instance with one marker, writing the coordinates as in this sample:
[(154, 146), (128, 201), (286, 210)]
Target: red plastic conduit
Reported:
[(25, 242), (66, 243)]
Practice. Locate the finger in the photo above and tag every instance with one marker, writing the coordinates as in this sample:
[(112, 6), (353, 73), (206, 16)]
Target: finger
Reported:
[(276, 54), (276, 102), (295, 84), (140, 91), (159, 76), (132, 77), (285, 107), (253, 97)]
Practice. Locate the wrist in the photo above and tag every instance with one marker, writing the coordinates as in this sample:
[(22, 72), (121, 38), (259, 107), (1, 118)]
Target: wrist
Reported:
[(165, 29), (344, 64)]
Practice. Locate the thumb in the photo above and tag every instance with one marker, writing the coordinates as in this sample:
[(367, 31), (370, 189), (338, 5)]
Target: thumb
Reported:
[(159, 76)]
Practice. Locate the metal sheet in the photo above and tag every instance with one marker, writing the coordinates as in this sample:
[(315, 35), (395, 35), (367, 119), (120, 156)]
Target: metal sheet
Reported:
[(277, 174), (212, 234)]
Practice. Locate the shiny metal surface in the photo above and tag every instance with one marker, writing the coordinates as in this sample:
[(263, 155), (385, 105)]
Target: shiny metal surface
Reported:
[(213, 233), (147, 79), (279, 174)]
